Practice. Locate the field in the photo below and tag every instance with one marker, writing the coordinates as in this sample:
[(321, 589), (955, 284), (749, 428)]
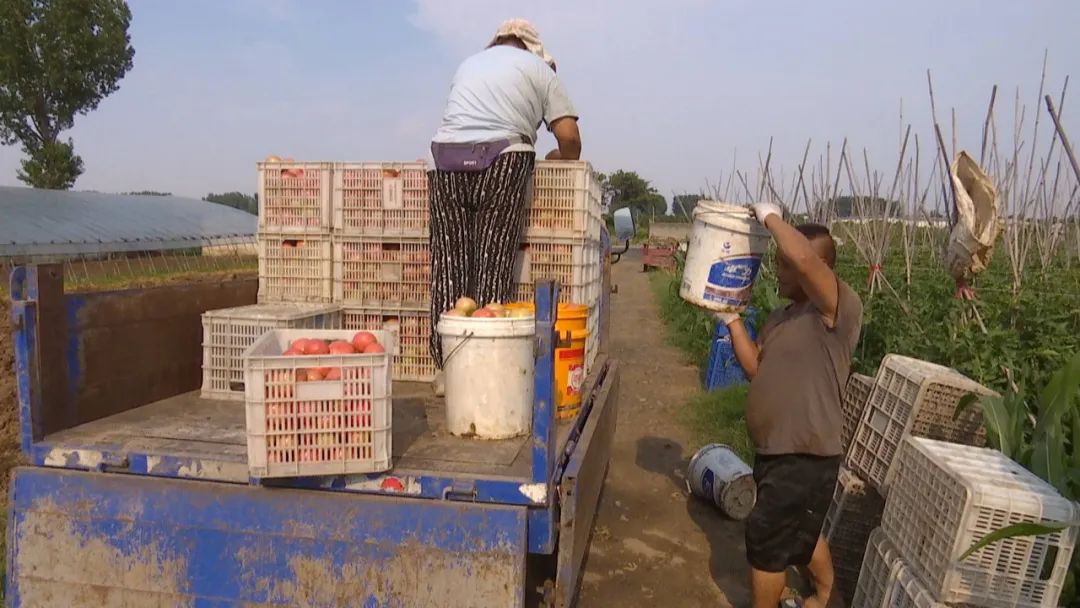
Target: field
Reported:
[(94, 276), (1011, 341)]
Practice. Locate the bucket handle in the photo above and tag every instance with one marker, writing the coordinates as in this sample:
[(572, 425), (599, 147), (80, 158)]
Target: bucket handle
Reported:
[(468, 336)]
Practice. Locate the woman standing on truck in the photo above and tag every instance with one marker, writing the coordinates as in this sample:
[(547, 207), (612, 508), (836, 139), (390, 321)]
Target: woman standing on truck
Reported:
[(484, 159)]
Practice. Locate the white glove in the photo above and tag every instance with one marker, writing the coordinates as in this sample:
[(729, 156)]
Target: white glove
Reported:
[(727, 318), (762, 211)]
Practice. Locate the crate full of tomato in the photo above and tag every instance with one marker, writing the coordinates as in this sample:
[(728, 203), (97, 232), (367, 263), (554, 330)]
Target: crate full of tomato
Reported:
[(318, 402)]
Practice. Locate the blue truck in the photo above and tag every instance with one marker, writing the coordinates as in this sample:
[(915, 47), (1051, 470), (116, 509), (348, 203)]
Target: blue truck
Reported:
[(136, 491)]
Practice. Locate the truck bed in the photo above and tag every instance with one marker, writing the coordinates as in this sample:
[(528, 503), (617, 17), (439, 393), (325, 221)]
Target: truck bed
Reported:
[(212, 432)]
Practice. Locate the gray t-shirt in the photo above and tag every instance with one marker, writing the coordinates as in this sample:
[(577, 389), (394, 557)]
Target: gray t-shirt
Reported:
[(502, 92), (794, 405)]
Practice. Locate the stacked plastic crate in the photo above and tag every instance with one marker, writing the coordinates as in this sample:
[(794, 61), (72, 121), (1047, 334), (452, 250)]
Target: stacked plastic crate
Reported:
[(382, 256), (943, 497), (907, 397), (563, 239)]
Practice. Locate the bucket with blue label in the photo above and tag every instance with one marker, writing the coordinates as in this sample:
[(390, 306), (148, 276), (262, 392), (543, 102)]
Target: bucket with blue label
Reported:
[(724, 256), (717, 475)]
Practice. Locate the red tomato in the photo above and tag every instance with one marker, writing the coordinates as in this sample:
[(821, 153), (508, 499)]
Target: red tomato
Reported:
[(341, 347), (334, 373), (316, 347), (362, 339), (293, 351), (315, 374), (374, 348), (299, 344)]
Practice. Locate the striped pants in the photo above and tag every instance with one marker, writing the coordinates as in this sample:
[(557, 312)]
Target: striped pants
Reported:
[(477, 219)]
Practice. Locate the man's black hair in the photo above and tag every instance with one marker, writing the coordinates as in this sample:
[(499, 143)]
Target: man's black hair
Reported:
[(814, 232)]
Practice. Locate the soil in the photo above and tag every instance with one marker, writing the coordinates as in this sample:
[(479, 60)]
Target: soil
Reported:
[(9, 411), (653, 544)]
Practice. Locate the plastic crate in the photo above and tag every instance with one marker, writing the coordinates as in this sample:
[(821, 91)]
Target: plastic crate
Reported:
[(911, 397), (382, 273), (381, 199), (947, 496), (856, 394), (565, 202), (723, 369), (412, 361), (853, 514), (327, 427), (877, 566), (228, 332), (295, 268), (575, 264), (905, 590), (294, 197)]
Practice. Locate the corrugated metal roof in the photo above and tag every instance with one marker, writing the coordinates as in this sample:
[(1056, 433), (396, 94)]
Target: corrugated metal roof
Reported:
[(50, 222)]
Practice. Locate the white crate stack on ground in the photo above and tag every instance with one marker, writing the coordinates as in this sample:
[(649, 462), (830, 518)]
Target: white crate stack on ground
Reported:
[(946, 496), (294, 198), (412, 361), (856, 394), (886, 580), (911, 397), (228, 332), (335, 426), (854, 513)]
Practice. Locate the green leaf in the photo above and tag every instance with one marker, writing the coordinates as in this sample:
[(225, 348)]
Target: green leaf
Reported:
[(1016, 530), (1000, 420)]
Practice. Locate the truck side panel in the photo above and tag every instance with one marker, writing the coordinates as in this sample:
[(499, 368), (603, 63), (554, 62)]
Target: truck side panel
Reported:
[(582, 483), (108, 540)]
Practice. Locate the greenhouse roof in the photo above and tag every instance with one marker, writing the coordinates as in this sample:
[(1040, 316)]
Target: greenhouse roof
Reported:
[(56, 223)]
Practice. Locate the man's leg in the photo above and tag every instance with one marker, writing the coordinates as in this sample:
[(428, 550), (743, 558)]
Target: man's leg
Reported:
[(451, 237), (499, 225), (767, 588), (821, 575)]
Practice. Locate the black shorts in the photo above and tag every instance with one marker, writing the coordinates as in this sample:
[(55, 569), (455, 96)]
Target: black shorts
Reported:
[(793, 495)]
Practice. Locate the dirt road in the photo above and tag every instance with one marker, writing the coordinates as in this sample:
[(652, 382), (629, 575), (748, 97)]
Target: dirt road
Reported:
[(653, 545)]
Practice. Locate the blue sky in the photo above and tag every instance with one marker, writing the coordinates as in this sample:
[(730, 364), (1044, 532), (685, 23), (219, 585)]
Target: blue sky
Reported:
[(669, 89)]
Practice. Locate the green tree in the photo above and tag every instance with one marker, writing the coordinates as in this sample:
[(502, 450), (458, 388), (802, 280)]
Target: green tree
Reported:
[(628, 189), (58, 60), (236, 200), (682, 205)]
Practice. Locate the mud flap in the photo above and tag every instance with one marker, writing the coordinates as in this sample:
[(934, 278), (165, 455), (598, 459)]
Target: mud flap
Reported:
[(582, 482), (107, 540)]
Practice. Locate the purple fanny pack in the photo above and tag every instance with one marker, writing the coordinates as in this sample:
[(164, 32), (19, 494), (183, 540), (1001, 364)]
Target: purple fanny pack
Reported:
[(467, 157)]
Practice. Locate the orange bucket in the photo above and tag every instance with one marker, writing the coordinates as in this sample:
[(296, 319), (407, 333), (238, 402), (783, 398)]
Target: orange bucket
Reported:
[(571, 328)]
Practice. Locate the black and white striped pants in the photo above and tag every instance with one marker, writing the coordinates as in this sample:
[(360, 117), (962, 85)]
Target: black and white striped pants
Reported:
[(477, 219)]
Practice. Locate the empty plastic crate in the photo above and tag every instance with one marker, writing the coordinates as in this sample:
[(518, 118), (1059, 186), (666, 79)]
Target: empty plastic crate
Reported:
[(335, 426), (412, 361), (723, 369), (911, 397), (877, 566), (382, 273), (565, 202), (227, 333), (294, 197), (853, 514), (906, 591), (295, 268), (381, 199), (947, 496), (856, 394), (574, 263)]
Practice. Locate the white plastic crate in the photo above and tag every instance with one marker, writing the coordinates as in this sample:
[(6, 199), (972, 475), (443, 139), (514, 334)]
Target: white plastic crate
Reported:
[(911, 397), (228, 332), (381, 199), (946, 496), (382, 273), (295, 268), (905, 590), (294, 197), (856, 394), (575, 264), (853, 514), (328, 427), (877, 566), (412, 362), (565, 202)]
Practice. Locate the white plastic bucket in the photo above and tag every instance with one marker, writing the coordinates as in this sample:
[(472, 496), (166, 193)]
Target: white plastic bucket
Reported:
[(488, 366), (717, 475), (726, 247)]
